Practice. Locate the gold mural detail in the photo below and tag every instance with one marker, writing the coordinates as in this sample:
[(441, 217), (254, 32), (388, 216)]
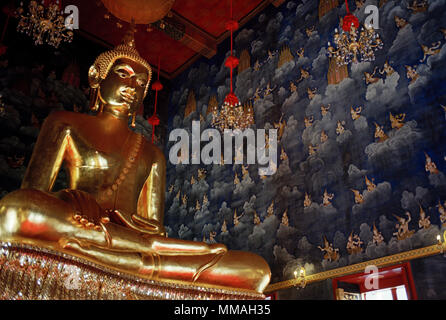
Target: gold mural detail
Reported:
[(326, 6), (191, 105), (212, 105), (336, 73), (285, 56), (245, 61)]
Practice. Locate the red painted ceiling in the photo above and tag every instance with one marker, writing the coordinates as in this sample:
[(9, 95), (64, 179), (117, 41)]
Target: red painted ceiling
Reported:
[(211, 15), (207, 17)]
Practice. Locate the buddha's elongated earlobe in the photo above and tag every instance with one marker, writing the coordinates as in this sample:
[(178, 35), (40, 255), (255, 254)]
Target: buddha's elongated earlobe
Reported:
[(133, 119), (94, 97)]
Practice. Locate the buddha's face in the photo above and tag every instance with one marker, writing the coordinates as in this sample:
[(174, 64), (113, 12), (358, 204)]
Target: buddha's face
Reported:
[(124, 86)]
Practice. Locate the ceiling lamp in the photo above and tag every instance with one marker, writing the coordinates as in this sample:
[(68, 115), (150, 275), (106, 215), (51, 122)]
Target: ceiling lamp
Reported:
[(232, 115), (44, 23), (141, 11), (351, 45)]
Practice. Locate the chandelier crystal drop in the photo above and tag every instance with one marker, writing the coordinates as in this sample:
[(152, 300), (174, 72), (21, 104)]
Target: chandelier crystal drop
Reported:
[(354, 43), (232, 115), (45, 24)]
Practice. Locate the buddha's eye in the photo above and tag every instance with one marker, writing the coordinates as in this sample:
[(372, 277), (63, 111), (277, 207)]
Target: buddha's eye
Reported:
[(122, 73)]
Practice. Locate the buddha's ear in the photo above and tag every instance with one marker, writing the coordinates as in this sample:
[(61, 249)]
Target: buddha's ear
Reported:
[(93, 77), (94, 99)]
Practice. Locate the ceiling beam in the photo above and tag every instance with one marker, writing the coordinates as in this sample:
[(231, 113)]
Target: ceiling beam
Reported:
[(195, 38)]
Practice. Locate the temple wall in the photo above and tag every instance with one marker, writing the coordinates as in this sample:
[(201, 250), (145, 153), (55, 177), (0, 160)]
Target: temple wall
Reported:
[(396, 166)]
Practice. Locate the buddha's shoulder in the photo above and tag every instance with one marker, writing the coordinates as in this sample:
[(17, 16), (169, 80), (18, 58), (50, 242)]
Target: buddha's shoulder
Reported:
[(68, 118), (152, 150)]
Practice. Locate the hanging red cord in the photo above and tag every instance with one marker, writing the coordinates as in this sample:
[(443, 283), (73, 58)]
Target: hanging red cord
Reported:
[(349, 20), (157, 86), (231, 62)]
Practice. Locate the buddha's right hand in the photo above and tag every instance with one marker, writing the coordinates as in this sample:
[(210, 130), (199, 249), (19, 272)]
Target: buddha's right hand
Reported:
[(87, 212)]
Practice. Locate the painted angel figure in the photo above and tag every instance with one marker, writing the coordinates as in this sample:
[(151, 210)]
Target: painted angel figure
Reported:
[(304, 74), (311, 93), (283, 155), (430, 166), (212, 235), (270, 210), (387, 69), (257, 94), (355, 112), (370, 184), (205, 200), (380, 134), (285, 220), (354, 244), (331, 254), (308, 121), (237, 218), (309, 31), (397, 121), (340, 127), (312, 150), (224, 227), (301, 52), (307, 200), (268, 90), (402, 227), (400, 22), (327, 198), (257, 65), (411, 73), (256, 219), (370, 77), (424, 222), (418, 5), (377, 236), (245, 172), (442, 212), (280, 126), (201, 174), (358, 196), (324, 110), (236, 179), (184, 200), (431, 51)]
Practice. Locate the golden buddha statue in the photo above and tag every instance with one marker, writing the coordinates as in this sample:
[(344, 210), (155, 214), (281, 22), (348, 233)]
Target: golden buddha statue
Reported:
[(112, 212)]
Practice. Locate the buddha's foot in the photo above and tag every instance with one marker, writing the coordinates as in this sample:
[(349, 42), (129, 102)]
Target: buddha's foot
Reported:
[(219, 252), (74, 244), (218, 249)]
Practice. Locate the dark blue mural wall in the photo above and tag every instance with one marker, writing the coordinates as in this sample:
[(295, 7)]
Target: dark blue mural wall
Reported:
[(372, 146)]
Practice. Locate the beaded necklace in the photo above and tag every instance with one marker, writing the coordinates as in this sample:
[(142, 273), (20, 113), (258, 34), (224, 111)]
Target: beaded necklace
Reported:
[(130, 161)]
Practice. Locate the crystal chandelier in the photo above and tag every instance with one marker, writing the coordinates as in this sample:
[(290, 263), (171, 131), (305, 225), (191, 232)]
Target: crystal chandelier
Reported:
[(44, 24), (232, 115), (353, 45)]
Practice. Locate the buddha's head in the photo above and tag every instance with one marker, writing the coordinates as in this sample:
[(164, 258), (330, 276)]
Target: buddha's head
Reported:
[(120, 78)]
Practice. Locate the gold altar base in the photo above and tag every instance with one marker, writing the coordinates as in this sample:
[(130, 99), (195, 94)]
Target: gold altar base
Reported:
[(32, 273)]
